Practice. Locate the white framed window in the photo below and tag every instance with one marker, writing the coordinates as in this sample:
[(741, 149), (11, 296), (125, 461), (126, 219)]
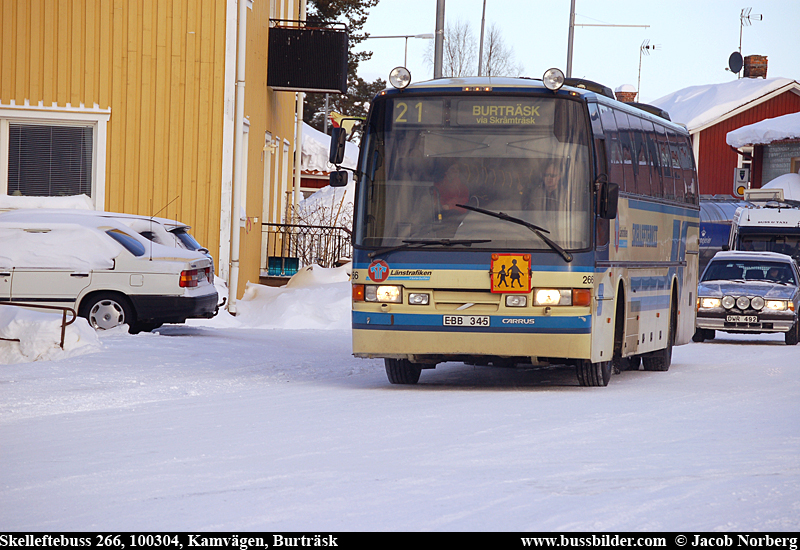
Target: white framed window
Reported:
[(48, 152)]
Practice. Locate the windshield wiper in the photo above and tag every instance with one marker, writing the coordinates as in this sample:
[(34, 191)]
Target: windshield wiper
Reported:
[(540, 231), (419, 244)]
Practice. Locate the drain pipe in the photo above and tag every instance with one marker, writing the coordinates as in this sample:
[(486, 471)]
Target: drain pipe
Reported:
[(238, 143), (298, 137)]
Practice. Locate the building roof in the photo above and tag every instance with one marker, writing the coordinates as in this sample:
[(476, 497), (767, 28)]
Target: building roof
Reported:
[(766, 131), (701, 106)]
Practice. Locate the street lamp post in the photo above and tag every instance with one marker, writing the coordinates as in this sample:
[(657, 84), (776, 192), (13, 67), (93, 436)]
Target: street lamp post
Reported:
[(428, 36)]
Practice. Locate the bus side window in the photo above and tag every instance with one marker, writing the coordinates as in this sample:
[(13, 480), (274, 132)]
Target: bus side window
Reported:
[(665, 163), (642, 166), (687, 165), (612, 147), (656, 187), (677, 171), (623, 127)]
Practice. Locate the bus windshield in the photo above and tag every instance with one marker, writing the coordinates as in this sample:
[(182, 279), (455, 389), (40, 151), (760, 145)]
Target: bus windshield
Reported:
[(433, 166)]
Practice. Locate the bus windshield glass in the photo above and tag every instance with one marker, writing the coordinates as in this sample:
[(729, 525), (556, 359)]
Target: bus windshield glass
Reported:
[(526, 157)]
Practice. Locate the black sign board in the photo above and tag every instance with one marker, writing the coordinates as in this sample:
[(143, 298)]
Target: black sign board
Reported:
[(307, 60)]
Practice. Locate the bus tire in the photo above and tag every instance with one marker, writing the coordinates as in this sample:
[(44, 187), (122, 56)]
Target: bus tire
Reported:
[(593, 374), (791, 337), (402, 371)]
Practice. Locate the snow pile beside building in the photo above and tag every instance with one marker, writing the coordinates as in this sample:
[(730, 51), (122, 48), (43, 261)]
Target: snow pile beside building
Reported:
[(766, 131), (39, 335), (696, 106), (315, 298)]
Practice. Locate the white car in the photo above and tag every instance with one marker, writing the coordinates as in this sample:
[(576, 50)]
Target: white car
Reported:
[(102, 268)]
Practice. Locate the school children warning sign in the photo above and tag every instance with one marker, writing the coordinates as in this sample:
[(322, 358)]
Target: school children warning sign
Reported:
[(511, 272)]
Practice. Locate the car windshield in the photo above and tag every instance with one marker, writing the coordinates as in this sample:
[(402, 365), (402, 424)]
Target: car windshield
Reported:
[(749, 270), (426, 158)]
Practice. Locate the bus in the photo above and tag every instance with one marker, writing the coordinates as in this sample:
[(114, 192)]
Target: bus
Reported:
[(771, 226), (512, 221)]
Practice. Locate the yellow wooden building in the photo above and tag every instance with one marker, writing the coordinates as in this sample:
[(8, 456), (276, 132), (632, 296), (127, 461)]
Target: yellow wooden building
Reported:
[(134, 103)]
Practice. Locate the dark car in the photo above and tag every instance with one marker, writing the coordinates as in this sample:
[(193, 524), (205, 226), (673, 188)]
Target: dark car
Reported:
[(749, 292)]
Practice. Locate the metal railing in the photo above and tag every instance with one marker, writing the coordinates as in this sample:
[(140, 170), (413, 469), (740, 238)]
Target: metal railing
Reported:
[(289, 247), (64, 322)]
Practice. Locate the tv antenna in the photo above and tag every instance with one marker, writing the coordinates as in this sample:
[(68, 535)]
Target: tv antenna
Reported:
[(745, 20), (644, 49)]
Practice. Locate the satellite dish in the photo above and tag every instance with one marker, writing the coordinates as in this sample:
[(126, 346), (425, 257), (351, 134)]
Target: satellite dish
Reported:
[(735, 62)]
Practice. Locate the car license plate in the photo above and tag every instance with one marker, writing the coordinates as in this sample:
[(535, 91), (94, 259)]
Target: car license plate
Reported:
[(466, 320), (742, 318)]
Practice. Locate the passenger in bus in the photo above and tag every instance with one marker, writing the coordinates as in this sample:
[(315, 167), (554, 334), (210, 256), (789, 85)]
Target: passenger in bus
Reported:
[(547, 195), (451, 190)]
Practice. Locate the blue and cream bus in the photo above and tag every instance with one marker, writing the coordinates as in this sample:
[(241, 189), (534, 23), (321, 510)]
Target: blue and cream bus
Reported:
[(504, 221)]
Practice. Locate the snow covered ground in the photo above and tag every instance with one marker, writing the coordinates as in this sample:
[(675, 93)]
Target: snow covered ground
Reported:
[(265, 422)]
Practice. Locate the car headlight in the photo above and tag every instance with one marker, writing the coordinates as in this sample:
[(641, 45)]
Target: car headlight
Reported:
[(516, 300), (742, 302), (777, 305), (383, 293), (708, 303), (757, 302), (418, 299), (728, 302), (552, 297)]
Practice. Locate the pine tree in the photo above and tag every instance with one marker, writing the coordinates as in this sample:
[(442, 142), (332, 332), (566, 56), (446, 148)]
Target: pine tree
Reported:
[(359, 92)]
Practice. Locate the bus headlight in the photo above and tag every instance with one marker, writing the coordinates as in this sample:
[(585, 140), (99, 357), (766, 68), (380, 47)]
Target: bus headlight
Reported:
[(552, 297), (708, 303), (418, 299), (515, 300), (777, 305), (383, 293)]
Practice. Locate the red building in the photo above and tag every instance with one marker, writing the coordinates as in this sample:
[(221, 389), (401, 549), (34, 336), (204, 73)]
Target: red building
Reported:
[(710, 112)]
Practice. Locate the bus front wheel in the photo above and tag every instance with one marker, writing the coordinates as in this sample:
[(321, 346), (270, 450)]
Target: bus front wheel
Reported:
[(593, 374), (402, 371)]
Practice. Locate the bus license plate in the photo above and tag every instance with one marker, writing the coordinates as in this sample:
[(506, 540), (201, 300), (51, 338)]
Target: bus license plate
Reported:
[(466, 320), (742, 318)]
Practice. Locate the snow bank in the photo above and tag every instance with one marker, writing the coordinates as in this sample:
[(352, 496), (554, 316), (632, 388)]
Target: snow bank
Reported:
[(74, 202), (766, 131), (39, 335), (314, 298), (696, 106)]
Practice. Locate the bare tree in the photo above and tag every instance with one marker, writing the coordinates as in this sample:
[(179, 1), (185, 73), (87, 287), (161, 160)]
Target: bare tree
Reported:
[(498, 59), (460, 58)]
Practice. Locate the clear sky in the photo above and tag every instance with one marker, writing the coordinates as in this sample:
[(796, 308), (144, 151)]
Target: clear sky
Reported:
[(695, 37)]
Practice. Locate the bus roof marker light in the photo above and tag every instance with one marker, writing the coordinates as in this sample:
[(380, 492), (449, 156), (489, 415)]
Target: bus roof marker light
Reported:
[(400, 77), (553, 79)]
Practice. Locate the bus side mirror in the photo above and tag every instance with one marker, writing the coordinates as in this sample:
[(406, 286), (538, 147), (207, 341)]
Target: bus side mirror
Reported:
[(338, 141), (609, 198), (338, 178)]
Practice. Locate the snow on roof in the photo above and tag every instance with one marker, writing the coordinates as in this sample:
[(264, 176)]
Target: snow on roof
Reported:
[(316, 148), (74, 202), (697, 106), (766, 131)]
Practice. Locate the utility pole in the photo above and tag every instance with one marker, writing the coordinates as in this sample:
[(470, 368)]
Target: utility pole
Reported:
[(571, 39), (438, 46), (480, 50)]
